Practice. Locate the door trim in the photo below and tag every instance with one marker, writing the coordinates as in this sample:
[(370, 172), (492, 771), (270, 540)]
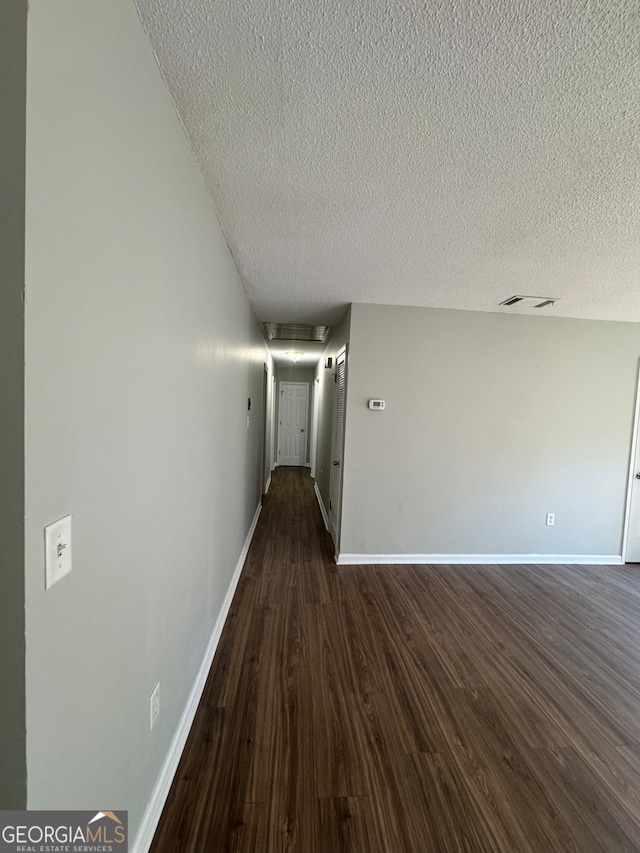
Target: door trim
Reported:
[(337, 531), (274, 431), (313, 443), (306, 429), (632, 468)]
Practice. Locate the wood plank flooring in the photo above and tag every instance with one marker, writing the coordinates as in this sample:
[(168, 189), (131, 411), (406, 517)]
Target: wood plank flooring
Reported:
[(448, 709)]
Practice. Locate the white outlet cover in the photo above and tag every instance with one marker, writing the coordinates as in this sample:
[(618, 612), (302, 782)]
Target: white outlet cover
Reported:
[(154, 706), (57, 551)]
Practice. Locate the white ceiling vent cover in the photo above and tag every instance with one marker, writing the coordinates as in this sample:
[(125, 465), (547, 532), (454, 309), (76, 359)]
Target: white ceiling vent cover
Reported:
[(530, 301), (296, 332)]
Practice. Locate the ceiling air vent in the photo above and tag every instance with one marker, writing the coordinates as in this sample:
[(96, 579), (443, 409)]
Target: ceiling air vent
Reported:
[(530, 301), (296, 332)]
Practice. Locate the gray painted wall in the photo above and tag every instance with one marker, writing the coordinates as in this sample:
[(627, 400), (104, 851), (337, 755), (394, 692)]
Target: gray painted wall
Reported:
[(13, 71), (295, 374), (491, 421), (141, 352), (326, 395)]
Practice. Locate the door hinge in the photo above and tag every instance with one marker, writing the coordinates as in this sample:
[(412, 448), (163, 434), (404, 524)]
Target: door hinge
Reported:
[(329, 504)]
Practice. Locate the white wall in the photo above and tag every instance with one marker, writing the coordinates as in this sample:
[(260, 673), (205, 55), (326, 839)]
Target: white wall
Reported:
[(491, 421), (141, 352), (13, 68)]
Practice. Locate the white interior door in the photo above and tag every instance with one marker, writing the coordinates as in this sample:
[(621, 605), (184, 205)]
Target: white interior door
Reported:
[(632, 550), (292, 423), (337, 446)]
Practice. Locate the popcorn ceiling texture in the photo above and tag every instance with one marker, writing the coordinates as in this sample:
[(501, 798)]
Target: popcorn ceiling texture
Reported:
[(446, 154)]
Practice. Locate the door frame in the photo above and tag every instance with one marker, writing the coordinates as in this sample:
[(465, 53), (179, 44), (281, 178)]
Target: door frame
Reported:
[(634, 458), (306, 429), (313, 441), (265, 463), (274, 418), (336, 530)]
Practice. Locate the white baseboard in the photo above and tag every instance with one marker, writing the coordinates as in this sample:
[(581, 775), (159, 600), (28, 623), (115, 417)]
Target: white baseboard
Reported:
[(325, 517), (476, 559), (152, 813), (268, 483)]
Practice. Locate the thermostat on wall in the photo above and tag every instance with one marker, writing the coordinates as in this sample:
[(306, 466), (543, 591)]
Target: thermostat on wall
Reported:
[(376, 405)]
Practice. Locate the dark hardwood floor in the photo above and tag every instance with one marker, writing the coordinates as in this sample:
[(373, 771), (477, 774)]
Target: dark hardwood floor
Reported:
[(448, 709)]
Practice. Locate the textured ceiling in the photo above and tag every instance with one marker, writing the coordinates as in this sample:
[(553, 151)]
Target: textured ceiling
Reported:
[(445, 154)]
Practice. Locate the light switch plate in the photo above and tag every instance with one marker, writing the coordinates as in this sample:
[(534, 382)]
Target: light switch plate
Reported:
[(57, 551)]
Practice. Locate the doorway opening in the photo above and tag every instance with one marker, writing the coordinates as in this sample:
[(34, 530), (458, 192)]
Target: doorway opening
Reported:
[(293, 415)]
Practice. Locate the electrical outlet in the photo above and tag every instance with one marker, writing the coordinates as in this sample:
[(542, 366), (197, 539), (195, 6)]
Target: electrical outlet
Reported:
[(551, 519), (154, 706)]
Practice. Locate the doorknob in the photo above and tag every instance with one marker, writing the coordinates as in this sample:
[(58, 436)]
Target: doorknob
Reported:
[(301, 430), (637, 475), (337, 463)]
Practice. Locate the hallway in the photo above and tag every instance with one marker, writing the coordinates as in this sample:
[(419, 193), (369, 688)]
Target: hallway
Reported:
[(412, 709)]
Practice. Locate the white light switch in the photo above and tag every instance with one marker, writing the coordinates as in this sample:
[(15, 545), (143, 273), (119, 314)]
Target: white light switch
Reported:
[(57, 551)]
